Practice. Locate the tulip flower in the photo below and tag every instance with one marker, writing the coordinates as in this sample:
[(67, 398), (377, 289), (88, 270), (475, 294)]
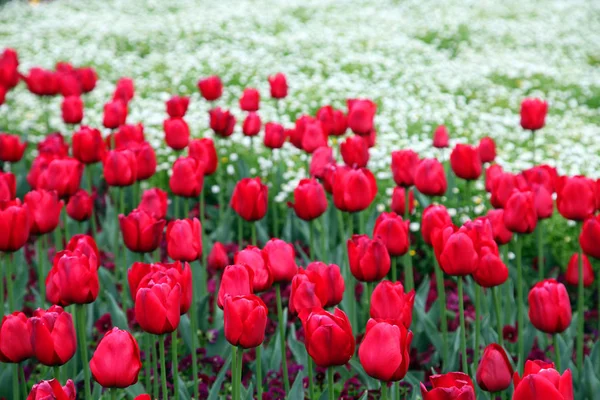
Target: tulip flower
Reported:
[(278, 84), (333, 121), (222, 122), (68, 82), (72, 110), (491, 173), (404, 164), (280, 259), (369, 259), (15, 338), (321, 329), (187, 178), (218, 258), (310, 199), (211, 88), (120, 168), (177, 133), (434, 217), (320, 160), (384, 351), (73, 279), (42, 82), (250, 199), (494, 372), (590, 236), (308, 291), (177, 106), (399, 201), (145, 160), (245, 318), (52, 390), (501, 234), (115, 114), (116, 361), (45, 208), (124, 90), (313, 135), (87, 78), (361, 113), (541, 381), (274, 135), (88, 145), (184, 239), (503, 186), (54, 144), (157, 306), (53, 337), (353, 189), (9, 73), (128, 135), (252, 257), (549, 306), (86, 245), (63, 176), (520, 214), (430, 178), (465, 162), (572, 273), (333, 281), (575, 197), (389, 302), (154, 202), (544, 205), (355, 152), (533, 114), (203, 150), (15, 220), (393, 231), (250, 100), (450, 386), (237, 280), (141, 231), (252, 124), (440, 137), (455, 251), (11, 148), (487, 149), (8, 186)]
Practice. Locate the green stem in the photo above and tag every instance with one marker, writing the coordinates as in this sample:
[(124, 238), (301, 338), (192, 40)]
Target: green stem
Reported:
[(9, 282), (113, 393), (498, 315), (275, 218), (80, 308), (163, 368), (258, 363), (58, 239), (324, 255), (253, 229), (155, 361), (311, 387), (367, 300), (352, 282), (330, 383), (384, 391), (194, 327), (394, 270), (41, 270), (520, 305), (3, 273), (147, 352), (122, 255), (66, 223), (56, 372), (221, 196), (580, 312), (557, 353), (15, 382), (175, 363), (201, 208), (397, 390), (409, 278), (463, 333), (477, 324), (280, 323), (88, 171), (234, 380), (177, 200), (441, 289), (540, 248), (240, 238), (311, 240), (239, 366), (23, 380)]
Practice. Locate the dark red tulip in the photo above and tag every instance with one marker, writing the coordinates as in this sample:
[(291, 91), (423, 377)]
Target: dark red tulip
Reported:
[(184, 239), (434, 217), (54, 144), (487, 149), (404, 164), (308, 292), (361, 113), (69, 84), (280, 259), (501, 234), (544, 175), (313, 136), (576, 197), (187, 178), (355, 151), (503, 186), (88, 145), (145, 160), (491, 173), (38, 168), (245, 320), (61, 175), (533, 114), (116, 361), (353, 189), (141, 231), (87, 78), (115, 114), (389, 302), (218, 258), (9, 73), (441, 137), (11, 147), (252, 124), (450, 386), (393, 231), (211, 88), (8, 186), (86, 245), (455, 251), (177, 106), (15, 220), (274, 135), (250, 198), (384, 351), (549, 306), (72, 110), (120, 168), (321, 329), (127, 135), (250, 100), (177, 133), (296, 135), (333, 280), (154, 202), (45, 208), (369, 259), (465, 162), (590, 236), (399, 201), (237, 280), (204, 151), (222, 122), (73, 279), (320, 160), (520, 214), (491, 271), (80, 206), (334, 121), (541, 381), (49, 390), (157, 306), (430, 177), (42, 82), (278, 84), (310, 201), (15, 338), (53, 338), (124, 90), (252, 256), (494, 372), (572, 273)]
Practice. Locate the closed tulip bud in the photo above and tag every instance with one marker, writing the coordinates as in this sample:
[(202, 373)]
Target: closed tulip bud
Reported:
[(250, 100), (280, 259), (503, 187), (393, 231), (218, 258), (335, 120), (253, 258), (355, 152), (321, 329), (9, 73), (116, 361), (222, 122), (88, 145), (310, 199), (86, 245), (15, 220), (313, 136), (53, 338), (54, 144), (203, 150), (48, 390), (145, 160), (533, 114), (8, 186), (211, 88), (544, 175), (184, 239), (572, 274), (487, 150), (491, 173), (87, 77), (353, 189), (404, 164), (69, 85), (440, 137), (590, 236), (297, 133), (237, 280), (274, 135), (63, 176), (541, 381), (120, 168), (11, 147), (465, 162), (491, 271), (157, 306), (450, 386), (154, 202), (115, 114), (361, 113), (45, 209), (430, 177), (73, 279), (279, 86), (250, 199), (576, 197), (384, 351), (333, 280), (549, 306), (520, 214), (369, 259), (177, 133), (80, 206), (42, 82), (127, 135), (494, 372), (399, 201), (455, 251), (177, 106), (15, 338), (245, 319), (72, 110), (187, 178), (125, 90), (141, 231), (320, 160), (501, 234), (308, 292), (252, 124)]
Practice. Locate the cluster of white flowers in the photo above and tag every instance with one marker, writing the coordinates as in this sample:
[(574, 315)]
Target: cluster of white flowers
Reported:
[(466, 64)]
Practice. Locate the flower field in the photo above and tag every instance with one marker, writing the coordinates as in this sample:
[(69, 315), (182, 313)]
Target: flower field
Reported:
[(299, 200)]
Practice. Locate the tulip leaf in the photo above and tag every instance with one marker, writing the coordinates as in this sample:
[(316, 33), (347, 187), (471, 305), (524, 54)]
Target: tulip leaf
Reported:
[(5, 379), (185, 331), (118, 317), (592, 381), (453, 360), (297, 389), (298, 349), (365, 396), (135, 390), (248, 393), (423, 200), (566, 350), (529, 332), (366, 379), (216, 387), (97, 391)]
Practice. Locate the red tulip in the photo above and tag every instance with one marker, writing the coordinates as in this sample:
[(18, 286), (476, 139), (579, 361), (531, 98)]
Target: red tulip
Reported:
[(308, 292), (177, 133), (127, 135), (250, 100), (3, 92), (313, 136), (279, 87), (576, 197), (440, 137), (73, 279), (544, 205), (80, 206), (572, 274), (430, 177), (115, 114), (321, 329), (390, 303), (541, 381), (494, 372), (384, 351), (88, 145), (455, 251), (404, 164), (252, 257), (250, 199), (120, 168), (42, 82), (145, 160), (361, 113), (501, 234), (86, 245), (15, 220), (399, 201), (8, 186), (491, 173), (45, 209), (87, 78), (310, 199), (222, 122), (237, 280), (353, 189), (333, 280), (61, 175), (434, 217), (177, 106), (211, 88), (154, 202), (544, 175), (69, 84), (487, 149), (141, 231), (157, 306), (184, 239), (252, 124), (72, 110), (116, 361), (369, 259), (549, 306), (334, 121), (355, 151), (53, 338), (203, 150), (15, 338), (533, 114), (274, 135), (187, 178), (465, 162), (52, 390), (9, 73), (124, 90), (503, 186), (218, 258), (450, 386), (590, 236), (280, 259), (54, 144), (320, 160), (520, 214), (245, 320), (393, 231), (11, 147)]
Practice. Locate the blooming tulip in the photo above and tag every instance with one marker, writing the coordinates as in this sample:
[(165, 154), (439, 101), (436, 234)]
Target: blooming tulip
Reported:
[(491, 173), (450, 386), (541, 381), (8, 186), (576, 197), (11, 147), (222, 122), (430, 178), (127, 135), (310, 199), (572, 273), (308, 291), (274, 135), (73, 279), (320, 160), (87, 78), (154, 202), (203, 150), (184, 239), (245, 320), (334, 121), (54, 144), (45, 208), (533, 114), (280, 259), (278, 84), (250, 100), (177, 106), (393, 231), (353, 189), (487, 149), (124, 90), (211, 88), (141, 231), (494, 372), (15, 338), (116, 361), (369, 259), (72, 110), (465, 162), (80, 206), (501, 234), (115, 114), (434, 217), (321, 329), (404, 164), (52, 390), (355, 152), (145, 160), (440, 137), (88, 145), (549, 306), (177, 133), (63, 176), (313, 135), (218, 258), (157, 306), (389, 302), (544, 205), (252, 124), (237, 280), (86, 245), (455, 251), (15, 220), (9, 73), (361, 113), (333, 280), (120, 168), (187, 178), (590, 236), (253, 258), (53, 338), (399, 201), (42, 82), (250, 199), (520, 214)]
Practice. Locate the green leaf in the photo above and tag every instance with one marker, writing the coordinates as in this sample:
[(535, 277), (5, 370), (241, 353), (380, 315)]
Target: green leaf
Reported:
[(366, 379), (297, 389), (298, 349), (216, 387), (454, 351), (118, 316)]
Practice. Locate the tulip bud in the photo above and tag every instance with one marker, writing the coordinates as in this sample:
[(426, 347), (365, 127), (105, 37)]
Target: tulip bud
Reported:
[(42, 82), (53, 338), (501, 234), (222, 122), (86, 245), (15, 338), (54, 144), (203, 150), (434, 217), (520, 214), (237, 280), (487, 150), (369, 259), (310, 199), (321, 329), (279, 87), (465, 162), (177, 133), (63, 176), (333, 280), (404, 164), (72, 110), (87, 77), (177, 106), (590, 236), (541, 380), (389, 302), (320, 160), (245, 320), (491, 173), (544, 205), (154, 202), (361, 113), (120, 168), (73, 279), (116, 361), (440, 137), (393, 231), (572, 274), (11, 147), (157, 306), (250, 100), (69, 84), (145, 160), (576, 198), (430, 177), (115, 114), (52, 390), (45, 209), (252, 124), (533, 114), (9, 73), (15, 220), (355, 152), (141, 231), (399, 201), (253, 258), (8, 186), (184, 239), (124, 90), (308, 292), (353, 189), (218, 258), (187, 178), (88, 145), (455, 252), (274, 135), (313, 136), (494, 372), (450, 386), (280, 259), (334, 122), (211, 88), (250, 199), (127, 135), (549, 306)]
